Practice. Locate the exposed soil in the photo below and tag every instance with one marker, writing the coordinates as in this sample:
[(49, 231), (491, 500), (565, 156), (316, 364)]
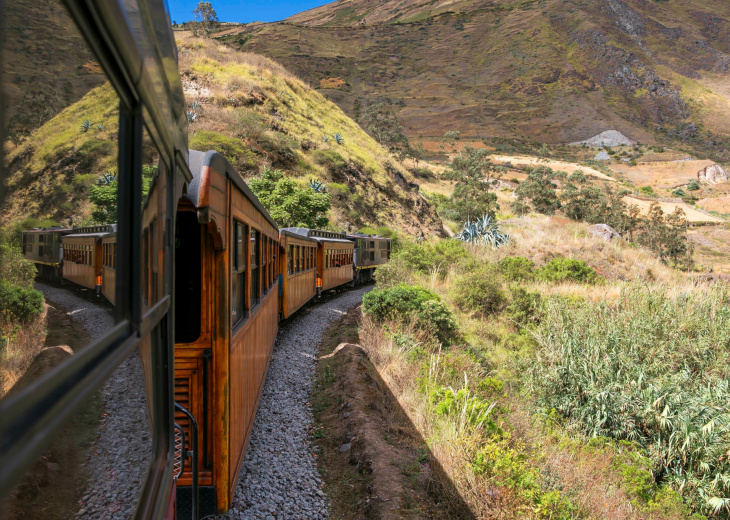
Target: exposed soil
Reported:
[(52, 488), (372, 459)]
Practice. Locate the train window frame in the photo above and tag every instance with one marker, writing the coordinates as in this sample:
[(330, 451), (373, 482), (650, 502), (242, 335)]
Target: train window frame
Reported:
[(239, 269), (290, 260)]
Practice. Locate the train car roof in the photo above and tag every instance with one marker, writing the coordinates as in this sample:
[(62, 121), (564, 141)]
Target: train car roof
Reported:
[(54, 229), (85, 235), (287, 232), (363, 235), (199, 160), (317, 233)]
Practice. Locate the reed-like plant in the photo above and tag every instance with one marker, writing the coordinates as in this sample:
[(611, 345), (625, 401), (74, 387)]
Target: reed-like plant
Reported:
[(651, 367)]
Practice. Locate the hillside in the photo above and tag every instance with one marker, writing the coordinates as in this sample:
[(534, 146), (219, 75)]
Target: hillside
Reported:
[(251, 110), (547, 71)]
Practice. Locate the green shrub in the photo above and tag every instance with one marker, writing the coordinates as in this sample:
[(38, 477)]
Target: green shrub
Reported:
[(647, 190), (567, 270), (393, 273), (19, 303), (693, 186), (480, 291), (427, 257), (412, 303), (231, 148), (524, 308), (516, 268), (14, 268)]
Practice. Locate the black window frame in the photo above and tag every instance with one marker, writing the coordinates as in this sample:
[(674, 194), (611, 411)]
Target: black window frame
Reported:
[(239, 270)]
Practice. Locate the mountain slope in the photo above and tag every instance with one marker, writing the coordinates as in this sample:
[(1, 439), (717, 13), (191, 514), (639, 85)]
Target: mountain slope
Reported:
[(252, 111), (549, 70)]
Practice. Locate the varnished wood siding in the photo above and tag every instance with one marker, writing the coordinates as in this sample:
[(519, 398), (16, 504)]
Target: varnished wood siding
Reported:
[(300, 287), (84, 275), (109, 283), (334, 276), (249, 351)]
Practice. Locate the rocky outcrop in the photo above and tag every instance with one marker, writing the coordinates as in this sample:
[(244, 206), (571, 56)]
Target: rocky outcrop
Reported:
[(713, 174), (603, 231), (607, 138)]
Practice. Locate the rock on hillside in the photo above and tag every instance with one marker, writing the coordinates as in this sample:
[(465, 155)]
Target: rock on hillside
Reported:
[(259, 115), (713, 174), (607, 138)]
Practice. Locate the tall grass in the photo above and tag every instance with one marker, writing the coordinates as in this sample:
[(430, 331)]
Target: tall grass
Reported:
[(651, 366)]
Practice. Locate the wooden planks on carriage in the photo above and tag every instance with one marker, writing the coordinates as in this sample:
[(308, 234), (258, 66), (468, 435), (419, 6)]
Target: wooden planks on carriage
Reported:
[(335, 256), (297, 264), (226, 319)]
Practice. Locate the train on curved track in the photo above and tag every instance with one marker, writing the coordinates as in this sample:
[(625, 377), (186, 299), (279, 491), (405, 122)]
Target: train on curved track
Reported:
[(199, 273)]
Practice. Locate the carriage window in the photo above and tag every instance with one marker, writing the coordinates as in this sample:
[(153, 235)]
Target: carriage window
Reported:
[(254, 244), (290, 260), (145, 263), (238, 276), (298, 259)]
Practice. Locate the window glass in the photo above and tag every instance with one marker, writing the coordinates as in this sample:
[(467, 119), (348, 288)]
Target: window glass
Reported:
[(254, 255), (238, 278), (290, 260)]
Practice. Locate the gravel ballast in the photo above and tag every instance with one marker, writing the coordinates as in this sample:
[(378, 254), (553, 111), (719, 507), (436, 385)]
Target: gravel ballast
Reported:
[(279, 477), (119, 456)]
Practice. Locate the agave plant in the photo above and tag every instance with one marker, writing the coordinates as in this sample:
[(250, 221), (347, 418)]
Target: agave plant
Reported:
[(195, 105), (86, 125), (108, 178), (338, 138), (100, 127), (192, 116), (326, 139), (317, 185), (483, 230)]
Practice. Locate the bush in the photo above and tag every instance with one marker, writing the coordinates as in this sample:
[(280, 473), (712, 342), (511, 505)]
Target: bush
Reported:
[(481, 292), (516, 268), (231, 148), (406, 302), (567, 270), (437, 256), (524, 308), (14, 268), (395, 272), (19, 303)]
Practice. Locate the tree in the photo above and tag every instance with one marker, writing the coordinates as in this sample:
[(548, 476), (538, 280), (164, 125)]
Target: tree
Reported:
[(451, 137), (544, 152), (474, 174), (380, 122), (666, 235), (289, 204), (539, 190), (104, 194), (205, 18)]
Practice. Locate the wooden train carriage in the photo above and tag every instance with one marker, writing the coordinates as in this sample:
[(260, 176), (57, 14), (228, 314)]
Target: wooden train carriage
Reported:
[(371, 251), (298, 267), (43, 247), (109, 266), (82, 255), (335, 256), (226, 319)]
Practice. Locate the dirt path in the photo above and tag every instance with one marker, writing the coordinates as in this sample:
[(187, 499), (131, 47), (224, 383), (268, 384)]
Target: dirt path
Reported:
[(52, 488), (374, 462)]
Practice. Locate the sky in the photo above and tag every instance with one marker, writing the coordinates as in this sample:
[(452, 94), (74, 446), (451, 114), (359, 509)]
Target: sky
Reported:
[(243, 10)]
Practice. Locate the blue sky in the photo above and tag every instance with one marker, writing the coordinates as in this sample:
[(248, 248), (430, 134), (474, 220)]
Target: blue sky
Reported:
[(243, 10)]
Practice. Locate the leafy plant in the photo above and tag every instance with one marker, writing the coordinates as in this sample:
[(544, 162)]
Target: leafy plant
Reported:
[(338, 138), (86, 126), (693, 185), (567, 270), (20, 304), (405, 303), (483, 231), (290, 204), (538, 190), (480, 291), (516, 268)]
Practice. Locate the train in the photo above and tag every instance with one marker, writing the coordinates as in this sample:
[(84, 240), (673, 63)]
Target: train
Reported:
[(198, 272), (237, 275)]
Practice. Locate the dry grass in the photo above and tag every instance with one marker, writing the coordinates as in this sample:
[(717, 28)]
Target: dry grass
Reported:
[(25, 342), (692, 214), (719, 204), (533, 162), (662, 174)]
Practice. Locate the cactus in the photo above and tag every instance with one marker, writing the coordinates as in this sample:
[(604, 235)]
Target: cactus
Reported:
[(86, 126), (338, 138), (483, 230)]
